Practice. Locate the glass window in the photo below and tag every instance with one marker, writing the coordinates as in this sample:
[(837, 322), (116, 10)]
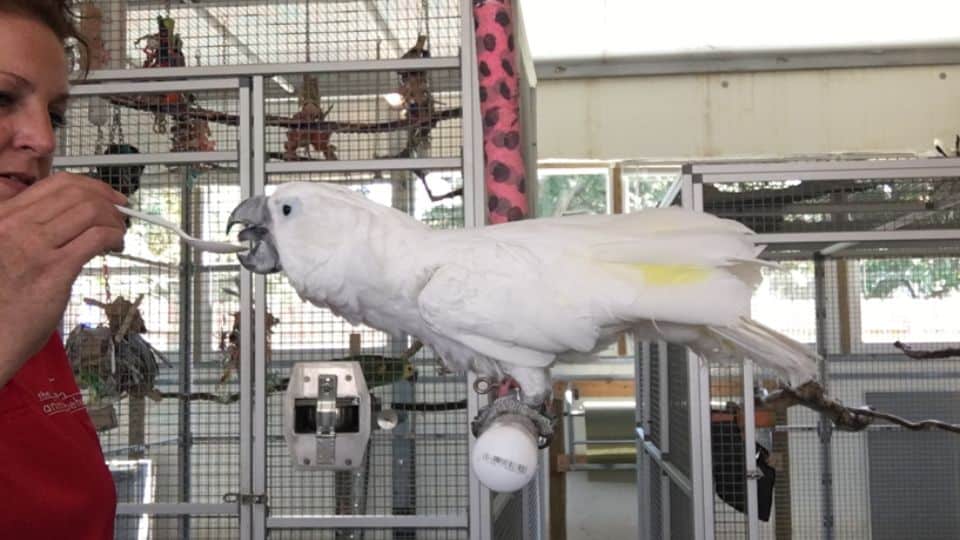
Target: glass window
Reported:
[(572, 191)]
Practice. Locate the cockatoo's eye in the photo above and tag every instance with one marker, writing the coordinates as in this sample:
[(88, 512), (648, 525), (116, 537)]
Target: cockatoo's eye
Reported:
[(287, 209)]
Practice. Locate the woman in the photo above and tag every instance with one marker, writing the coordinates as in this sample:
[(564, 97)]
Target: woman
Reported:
[(53, 480)]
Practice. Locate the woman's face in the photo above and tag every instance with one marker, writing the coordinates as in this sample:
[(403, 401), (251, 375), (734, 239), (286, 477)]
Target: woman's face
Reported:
[(33, 101)]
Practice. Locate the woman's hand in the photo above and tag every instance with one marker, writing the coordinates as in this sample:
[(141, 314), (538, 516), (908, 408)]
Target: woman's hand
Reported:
[(48, 232)]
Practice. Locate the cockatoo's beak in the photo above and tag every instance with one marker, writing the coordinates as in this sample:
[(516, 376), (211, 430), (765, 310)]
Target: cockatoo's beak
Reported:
[(254, 215)]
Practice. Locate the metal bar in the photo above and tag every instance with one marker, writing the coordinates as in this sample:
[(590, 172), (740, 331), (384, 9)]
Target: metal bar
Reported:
[(824, 427), (858, 236), (452, 521), (673, 191), (153, 87), (403, 448), (698, 388), (474, 196), (917, 175), (700, 448), (664, 395), (474, 211), (677, 477), (686, 191), (858, 168), (610, 441), (246, 323), (178, 509), (269, 70), (184, 428), (743, 62), (641, 372), (749, 450), (165, 158), (707, 456), (259, 413), (601, 466), (141, 260), (363, 165)]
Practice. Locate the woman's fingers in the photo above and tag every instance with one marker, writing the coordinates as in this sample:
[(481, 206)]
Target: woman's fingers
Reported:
[(40, 200), (76, 218), (92, 242)]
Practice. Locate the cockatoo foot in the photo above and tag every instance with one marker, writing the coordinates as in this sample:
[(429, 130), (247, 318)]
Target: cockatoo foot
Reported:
[(510, 404)]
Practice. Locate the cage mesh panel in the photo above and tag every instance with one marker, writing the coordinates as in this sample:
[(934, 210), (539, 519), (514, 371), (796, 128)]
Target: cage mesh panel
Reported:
[(244, 32), (656, 501), (681, 514), (176, 527), (420, 467), (370, 534), (359, 121), (509, 522), (151, 443), (678, 396), (194, 121), (842, 205), (655, 393), (202, 464), (871, 301), (727, 453)]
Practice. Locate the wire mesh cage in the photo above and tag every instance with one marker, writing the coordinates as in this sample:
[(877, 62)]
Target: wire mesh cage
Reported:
[(369, 534), (420, 466), (151, 122), (365, 115), (142, 335), (868, 263), (382, 114), (157, 34)]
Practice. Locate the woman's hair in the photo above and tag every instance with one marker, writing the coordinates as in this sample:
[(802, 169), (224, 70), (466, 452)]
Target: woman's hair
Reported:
[(57, 15)]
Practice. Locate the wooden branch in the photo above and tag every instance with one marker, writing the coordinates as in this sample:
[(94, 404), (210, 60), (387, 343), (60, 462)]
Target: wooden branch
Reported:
[(812, 396), (323, 126), (128, 320), (413, 350), (927, 355)]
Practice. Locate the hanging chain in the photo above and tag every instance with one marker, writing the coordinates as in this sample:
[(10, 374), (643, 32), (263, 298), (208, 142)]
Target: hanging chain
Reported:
[(307, 36), (116, 127), (105, 274), (98, 149), (424, 23)]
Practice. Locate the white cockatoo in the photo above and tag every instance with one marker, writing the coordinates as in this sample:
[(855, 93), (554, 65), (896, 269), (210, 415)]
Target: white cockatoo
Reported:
[(509, 300)]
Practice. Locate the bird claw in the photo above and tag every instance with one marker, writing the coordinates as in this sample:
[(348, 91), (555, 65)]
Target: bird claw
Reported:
[(488, 385), (509, 404)]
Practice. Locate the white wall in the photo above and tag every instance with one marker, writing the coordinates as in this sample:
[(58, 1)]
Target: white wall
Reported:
[(753, 114)]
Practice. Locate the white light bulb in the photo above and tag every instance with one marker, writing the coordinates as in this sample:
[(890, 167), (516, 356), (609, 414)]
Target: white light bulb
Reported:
[(394, 100), (505, 455)]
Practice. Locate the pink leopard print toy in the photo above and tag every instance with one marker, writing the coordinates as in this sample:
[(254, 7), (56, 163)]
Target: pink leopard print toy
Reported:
[(504, 172)]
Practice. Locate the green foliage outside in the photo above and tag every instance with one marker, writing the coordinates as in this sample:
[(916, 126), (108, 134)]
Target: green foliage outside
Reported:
[(566, 194)]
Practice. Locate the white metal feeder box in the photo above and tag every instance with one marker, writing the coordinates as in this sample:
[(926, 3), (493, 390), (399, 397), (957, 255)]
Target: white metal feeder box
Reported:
[(326, 415)]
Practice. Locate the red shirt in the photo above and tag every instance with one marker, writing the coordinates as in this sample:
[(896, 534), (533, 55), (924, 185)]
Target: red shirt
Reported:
[(54, 483)]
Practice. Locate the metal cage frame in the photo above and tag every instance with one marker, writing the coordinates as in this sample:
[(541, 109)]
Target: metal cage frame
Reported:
[(653, 457), (250, 505)]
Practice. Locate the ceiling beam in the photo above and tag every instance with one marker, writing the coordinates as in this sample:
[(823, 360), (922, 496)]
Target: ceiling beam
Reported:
[(745, 62), (230, 38)]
